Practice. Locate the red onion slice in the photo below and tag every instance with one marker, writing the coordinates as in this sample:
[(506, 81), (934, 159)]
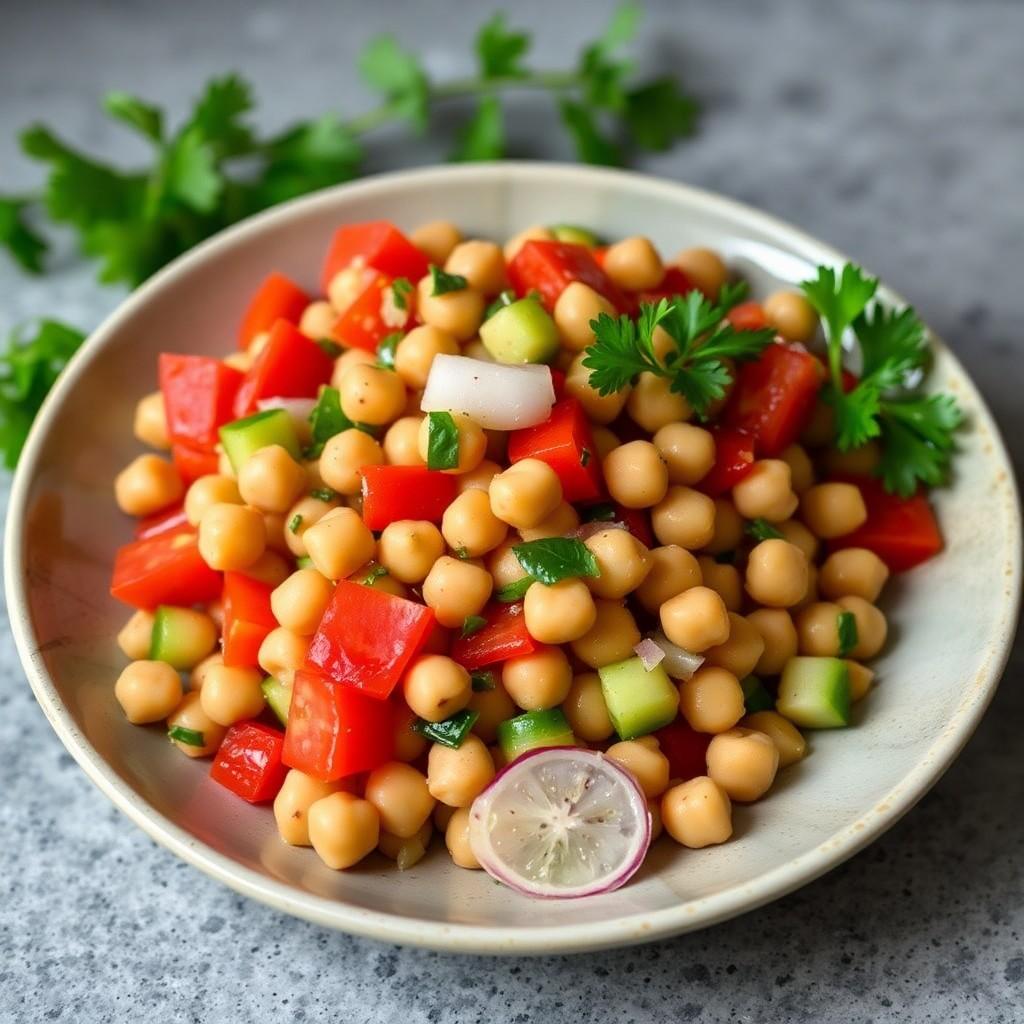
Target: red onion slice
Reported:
[(679, 663), (649, 653), (587, 530)]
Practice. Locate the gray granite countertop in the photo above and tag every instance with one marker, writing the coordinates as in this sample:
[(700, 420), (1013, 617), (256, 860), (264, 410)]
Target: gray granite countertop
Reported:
[(892, 129)]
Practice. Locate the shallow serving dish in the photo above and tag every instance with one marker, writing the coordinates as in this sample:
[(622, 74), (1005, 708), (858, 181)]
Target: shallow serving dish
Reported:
[(952, 619)]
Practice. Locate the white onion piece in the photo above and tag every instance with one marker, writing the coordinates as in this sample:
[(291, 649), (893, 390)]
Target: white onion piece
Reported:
[(299, 409), (496, 396), (587, 530), (649, 653), (679, 662)]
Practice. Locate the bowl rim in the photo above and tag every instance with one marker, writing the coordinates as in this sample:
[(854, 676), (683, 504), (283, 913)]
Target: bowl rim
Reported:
[(478, 938)]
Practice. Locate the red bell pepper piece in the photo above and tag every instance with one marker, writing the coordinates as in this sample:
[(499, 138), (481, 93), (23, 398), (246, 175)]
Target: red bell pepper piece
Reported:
[(505, 636), (336, 730), (199, 394), (373, 316), (391, 493), (565, 442), (288, 366), (277, 298), (903, 532), (248, 761), (367, 637), (675, 282), (685, 748), (378, 244), (638, 523), (165, 569), (558, 383), (161, 522), (734, 459), (747, 316), (549, 267), (247, 618), (192, 463), (774, 397)]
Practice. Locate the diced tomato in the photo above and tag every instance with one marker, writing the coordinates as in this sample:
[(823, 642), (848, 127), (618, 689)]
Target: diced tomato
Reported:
[(734, 459), (565, 442), (247, 618), (373, 316), (199, 394), (192, 463), (336, 730), (685, 748), (558, 383), (288, 366), (774, 397), (164, 569), (277, 298), (391, 493), (378, 244), (747, 316), (505, 636), (675, 282), (248, 761), (600, 253), (638, 522), (161, 522), (367, 637), (903, 532), (549, 267)]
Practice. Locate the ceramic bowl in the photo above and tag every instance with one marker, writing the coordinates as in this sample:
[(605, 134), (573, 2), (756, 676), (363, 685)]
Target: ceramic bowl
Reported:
[(952, 619)]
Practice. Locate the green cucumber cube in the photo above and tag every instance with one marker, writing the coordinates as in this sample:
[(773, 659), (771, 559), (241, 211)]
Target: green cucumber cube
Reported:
[(575, 234), (522, 332), (534, 729), (278, 697), (181, 636), (639, 701), (815, 693), (244, 437)]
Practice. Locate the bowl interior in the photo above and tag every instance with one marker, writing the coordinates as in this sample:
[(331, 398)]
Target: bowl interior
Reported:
[(950, 620)]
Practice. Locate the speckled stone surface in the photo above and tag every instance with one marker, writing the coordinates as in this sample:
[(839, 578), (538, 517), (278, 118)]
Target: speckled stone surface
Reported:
[(893, 130)]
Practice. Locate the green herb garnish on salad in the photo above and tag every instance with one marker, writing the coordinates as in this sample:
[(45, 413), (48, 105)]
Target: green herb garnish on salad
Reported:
[(443, 283), (552, 559), (442, 441)]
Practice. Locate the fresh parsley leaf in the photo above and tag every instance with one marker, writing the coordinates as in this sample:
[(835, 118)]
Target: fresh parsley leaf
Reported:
[(144, 118), (472, 624), (761, 529), (26, 246), (619, 354), (323, 494), (602, 512), (374, 574), (659, 113), (839, 302), (386, 349), (482, 680), (917, 441), (604, 75), (731, 295), (512, 592), (856, 414), (442, 441), (329, 347), (483, 137), (190, 737), (592, 146), (452, 732), (892, 345), (190, 173), (462, 553), (399, 76), (295, 522), (500, 50), (326, 420), (551, 559), (847, 627), (310, 155), (401, 289), (444, 283), (218, 115)]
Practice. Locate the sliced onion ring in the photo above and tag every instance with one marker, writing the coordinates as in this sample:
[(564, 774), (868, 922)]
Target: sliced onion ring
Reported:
[(587, 530), (649, 653), (679, 663)]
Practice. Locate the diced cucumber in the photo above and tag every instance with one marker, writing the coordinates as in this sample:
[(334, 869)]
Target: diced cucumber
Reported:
[(181, 636), (278, 697), (522, 332), (244, 437), (755, 696), (638, 701), (815, 693), (575, 234), (534, 729)]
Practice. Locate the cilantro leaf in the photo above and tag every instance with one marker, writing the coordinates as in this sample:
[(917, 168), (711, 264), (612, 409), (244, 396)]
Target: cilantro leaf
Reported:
[(374, 574), (892, 345), (592, 147), (144, 118), (326, 420), (190, 172), (472, 624), (761, 529), (217, 116), (442, 441), (856, 414), (840, 302), (551, 559), (25, 245), (514, 591), (399, 76), (619, 354), (659, 113), (483, 138), (386, 350), (451, 732), (444, 283), (603, 75), (847, 627), (500, 49), (483, 679), (917, 441)]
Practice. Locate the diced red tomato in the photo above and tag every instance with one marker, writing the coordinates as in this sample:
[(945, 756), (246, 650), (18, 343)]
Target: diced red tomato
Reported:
[(685, 748), (903, 532), (288, 366), (675, 282), (192, 463), (199, 394), (164, 569), (565, 442), (277, 298), (367, 637), (747, 316), (160, 522), (248, 761), (558, 383), (505, 636), (774, 397), (638, 522), (549, 267), (336, 730), (391, 493), (734, 459), (247, 618), (600, 253), (378, 244), (373, 316)]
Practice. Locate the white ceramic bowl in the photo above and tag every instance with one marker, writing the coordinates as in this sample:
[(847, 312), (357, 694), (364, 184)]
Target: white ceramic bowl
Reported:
[(952, 620)]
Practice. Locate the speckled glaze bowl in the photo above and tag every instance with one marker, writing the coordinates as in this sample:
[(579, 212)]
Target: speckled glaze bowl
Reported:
[(952, 619)]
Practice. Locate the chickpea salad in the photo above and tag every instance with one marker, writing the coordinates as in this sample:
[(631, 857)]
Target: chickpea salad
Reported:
[(547, 549)]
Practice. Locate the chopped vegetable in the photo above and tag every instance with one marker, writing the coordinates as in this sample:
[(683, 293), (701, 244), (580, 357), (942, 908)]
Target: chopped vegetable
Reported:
[(532, 730), (190, 737), (248, 762), (386, 349), (482, 681), (522, 332), (391, 493), (847, 629), (173, 639), (685, 748), (505, 636), (199, 394), (278, 298), (372, 316), (649, 653), (247, 618), (444, 283), (815, 693), (639, 700), (377, 244), (734, 459), (165, 569), (548, 268), (755, 696), (244, 437), (451, 732), (278, 697), (551, 559)]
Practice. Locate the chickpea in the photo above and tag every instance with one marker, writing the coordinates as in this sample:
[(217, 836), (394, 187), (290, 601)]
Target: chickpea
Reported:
[(704, 268), (741, 652), (339, 543), (400, 794), (811, 594), (622, 561), (729, 526), (271, 480), (817, 627), (777, 574), (409, 548), (469, 523), (782, 732), (697, 813), (801, 469), (766, 492), (585, 709), (647, 763), (861, 678), (743, 762), (270, 568), (436, 239), (242, 361), (317, 320), (862, 461), (560, 523), (436, 687), (493, 707), (833, 510), (711, 700), (780, 639), (402, 442), (654, 810), (634, 264), (684, 517), (457, 777), (231, 536), (479, 479), (409, 852), (503, 564), (209, 490), (456, 589), (147, 485), (671, 570), (598, 408), (189, 714), (282, 653), (297, 794), (348, 284), (343, 829), (150, 424), (300, 601), (370, 394), (576, 307), (147, 691), (274, 524), (791, 315), (612, 637), (604, 441), (344, 456), (456, 838), (415, 353), (636, 475), (688, 452), (872, 628), (480, 263), (348, 359), (724, 580), (460, 313), (559, 613), (853, 572), (525, 494), (536, 232), (300, 518), (199, 674), (652, 404), (230, 695), (799, 536), (539, 680), (135, 637), (696, 619)]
